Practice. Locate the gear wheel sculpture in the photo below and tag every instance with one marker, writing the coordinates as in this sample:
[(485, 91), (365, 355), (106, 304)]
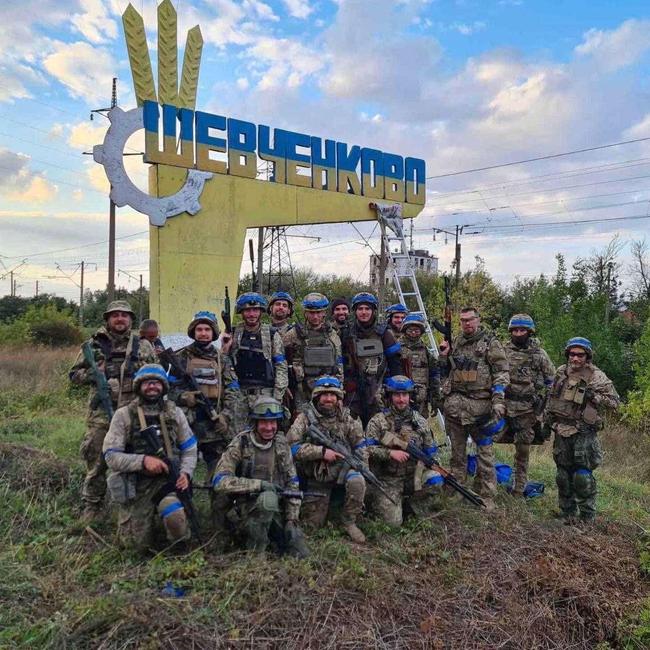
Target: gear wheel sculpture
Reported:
[(123, 191)]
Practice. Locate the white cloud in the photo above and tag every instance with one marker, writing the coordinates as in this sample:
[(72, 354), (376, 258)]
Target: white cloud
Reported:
[(19, 183), (85, 70), (299, 8), (619, 47), (639, 130), (95, 22), (242, 83), (15, 80), (84, 135), (467, 29)]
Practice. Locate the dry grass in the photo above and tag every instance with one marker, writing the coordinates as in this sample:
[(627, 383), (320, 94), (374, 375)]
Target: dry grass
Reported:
[(34, 370)]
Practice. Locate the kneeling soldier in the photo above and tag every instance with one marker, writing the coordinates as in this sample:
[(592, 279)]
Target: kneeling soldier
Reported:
[(322, 468), (138, 480), (257, 470), (408, 482)]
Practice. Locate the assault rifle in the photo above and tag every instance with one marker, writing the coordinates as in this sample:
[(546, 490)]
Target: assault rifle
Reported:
[(415, 451), (99, 379), (155, 448), (361, 384), (225, 314), (169, 359), (281, 491), (445, 328), (354, 461)]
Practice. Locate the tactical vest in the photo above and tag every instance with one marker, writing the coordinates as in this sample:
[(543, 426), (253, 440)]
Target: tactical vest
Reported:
[(135, 444), (418, 360), (405, 428), (256, 462), (525, 366), (319, 353), (253, 357), (369, 351), (207, 374), (470, 375), (120, 362), (567, 400)]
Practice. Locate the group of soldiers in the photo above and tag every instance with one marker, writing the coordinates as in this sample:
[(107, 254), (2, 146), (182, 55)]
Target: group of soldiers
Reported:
[(288, 417)]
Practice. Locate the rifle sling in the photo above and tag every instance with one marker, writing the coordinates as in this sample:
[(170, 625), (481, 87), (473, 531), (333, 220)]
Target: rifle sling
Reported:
[(163, 430)]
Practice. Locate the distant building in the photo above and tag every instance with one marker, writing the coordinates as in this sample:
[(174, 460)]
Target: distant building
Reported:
[(421, 260)]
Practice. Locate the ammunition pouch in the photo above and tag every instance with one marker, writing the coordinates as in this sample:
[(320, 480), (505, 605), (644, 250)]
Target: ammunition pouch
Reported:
[(319, 358), (121, 486), (369, 348)]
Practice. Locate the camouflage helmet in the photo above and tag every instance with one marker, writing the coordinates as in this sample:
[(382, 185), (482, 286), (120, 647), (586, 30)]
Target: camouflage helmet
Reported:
[(399, 384), (207, 318), (523, 321), (281, 295), (327, 384), (266, 408), (151, 371), (416, 320), (364, 298), (315, 302), (579, 342), (119, 305), (250, 299)]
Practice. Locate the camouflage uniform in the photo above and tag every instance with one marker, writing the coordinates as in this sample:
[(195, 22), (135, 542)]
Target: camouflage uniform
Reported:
[(123, 355), (409, 483), (259, 362), (371, 352), (216, 378), (575, 413), (422, 367), (258, 514), (469, 395), (141, 497), (312, 353), (320, 476), (531, 374)]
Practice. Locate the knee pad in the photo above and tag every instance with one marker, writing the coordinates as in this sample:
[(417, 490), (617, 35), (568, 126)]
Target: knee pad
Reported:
[(266, 505), (355, 485), (173, 517), (584, 483)]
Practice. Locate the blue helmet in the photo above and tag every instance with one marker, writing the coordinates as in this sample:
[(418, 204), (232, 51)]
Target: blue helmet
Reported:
[(413, 319), (399, 384), (522, 320), (315, 302), (282, 295), (364, 298), (151, 371), (328, 384), (250, 299), (207, 318), (579, 342), (397, 308)]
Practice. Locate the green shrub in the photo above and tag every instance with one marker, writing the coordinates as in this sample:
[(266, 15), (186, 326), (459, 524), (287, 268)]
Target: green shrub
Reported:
[(43, 325)]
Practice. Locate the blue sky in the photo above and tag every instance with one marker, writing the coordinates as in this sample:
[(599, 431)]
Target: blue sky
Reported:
[(462, 84)]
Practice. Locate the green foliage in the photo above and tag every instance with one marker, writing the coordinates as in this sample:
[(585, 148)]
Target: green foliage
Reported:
[(95, 303), (637, 410), (42, 325)]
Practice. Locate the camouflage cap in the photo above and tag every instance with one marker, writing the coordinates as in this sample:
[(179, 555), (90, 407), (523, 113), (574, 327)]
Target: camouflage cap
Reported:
[(118, 305)]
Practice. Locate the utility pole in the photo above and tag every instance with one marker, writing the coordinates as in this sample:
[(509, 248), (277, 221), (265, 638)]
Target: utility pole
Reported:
[(609, 292), (36, 293), (383, 263), (251, 254), (457, 234), (140, 300), (12, 290), (260, 259), (81, 294)]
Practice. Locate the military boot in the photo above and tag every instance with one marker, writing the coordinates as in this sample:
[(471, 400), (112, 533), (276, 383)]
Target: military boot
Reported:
[(354, 533)]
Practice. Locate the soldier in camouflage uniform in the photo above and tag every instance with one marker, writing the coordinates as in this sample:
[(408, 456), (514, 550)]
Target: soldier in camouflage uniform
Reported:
[(212, 370), (409, 482), (580, 395), (150, 331), (252, 473), (395, 315), (257, 352), (281, 310), (420, 365), (475, 380), (119, 353), (138, 481), (313, 349), (321, 468), (371, 354), (340, 309), (531, 375)]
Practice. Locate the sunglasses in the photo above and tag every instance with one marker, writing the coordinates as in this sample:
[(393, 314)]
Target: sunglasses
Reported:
[(578, 354)]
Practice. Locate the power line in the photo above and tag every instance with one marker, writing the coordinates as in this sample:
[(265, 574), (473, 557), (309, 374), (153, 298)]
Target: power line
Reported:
[(547, 157)]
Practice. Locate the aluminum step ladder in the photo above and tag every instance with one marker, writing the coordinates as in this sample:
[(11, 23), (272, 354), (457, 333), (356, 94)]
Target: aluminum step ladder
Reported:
[(390, 220)]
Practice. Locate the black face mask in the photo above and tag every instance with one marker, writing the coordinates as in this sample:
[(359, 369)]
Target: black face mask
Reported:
[(520, 341), (203, 344)]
